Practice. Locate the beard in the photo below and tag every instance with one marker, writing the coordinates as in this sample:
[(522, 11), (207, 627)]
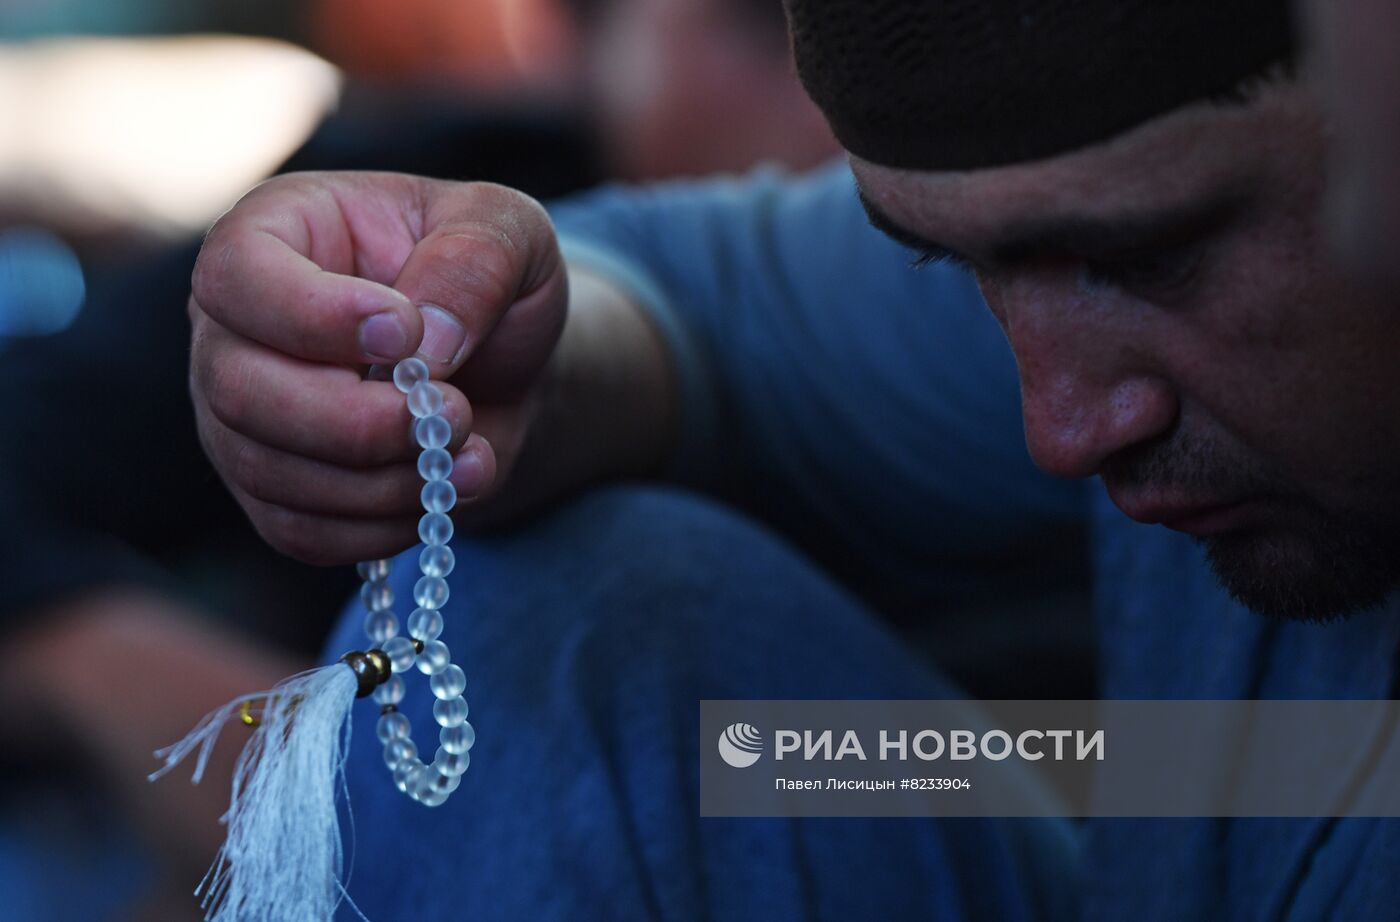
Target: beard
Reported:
[(1321, 570), (1302, 563)]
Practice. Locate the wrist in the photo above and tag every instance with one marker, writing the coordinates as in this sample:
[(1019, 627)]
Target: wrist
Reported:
[(611, 386)]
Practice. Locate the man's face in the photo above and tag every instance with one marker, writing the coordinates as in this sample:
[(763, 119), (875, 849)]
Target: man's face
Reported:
[(1179, 333)]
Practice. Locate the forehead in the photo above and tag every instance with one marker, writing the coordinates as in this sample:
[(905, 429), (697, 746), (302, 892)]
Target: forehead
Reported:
[(1186, 155)]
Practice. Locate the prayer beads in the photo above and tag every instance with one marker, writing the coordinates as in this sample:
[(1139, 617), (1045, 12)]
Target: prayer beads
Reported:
[(429, 784)]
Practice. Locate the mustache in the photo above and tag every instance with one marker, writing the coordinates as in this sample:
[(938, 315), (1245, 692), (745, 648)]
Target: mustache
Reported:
[(1187, 463)]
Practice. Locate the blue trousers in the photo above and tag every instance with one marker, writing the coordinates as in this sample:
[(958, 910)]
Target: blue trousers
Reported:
[(588, 639)]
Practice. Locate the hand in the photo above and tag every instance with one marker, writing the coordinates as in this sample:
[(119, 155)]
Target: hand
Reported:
[(313, 277)]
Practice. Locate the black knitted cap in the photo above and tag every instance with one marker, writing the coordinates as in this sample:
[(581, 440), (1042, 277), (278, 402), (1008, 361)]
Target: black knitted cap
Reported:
[(964, 84)]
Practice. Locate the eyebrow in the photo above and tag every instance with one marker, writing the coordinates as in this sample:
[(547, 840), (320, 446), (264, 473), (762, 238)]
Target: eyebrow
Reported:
[(1085, 237)]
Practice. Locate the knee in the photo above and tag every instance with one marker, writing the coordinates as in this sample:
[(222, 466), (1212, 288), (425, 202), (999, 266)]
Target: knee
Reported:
[(634, 584)]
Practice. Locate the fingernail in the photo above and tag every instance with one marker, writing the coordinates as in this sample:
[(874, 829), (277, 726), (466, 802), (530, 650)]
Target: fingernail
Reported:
[(382, 337), (468, 473), (444, 337)]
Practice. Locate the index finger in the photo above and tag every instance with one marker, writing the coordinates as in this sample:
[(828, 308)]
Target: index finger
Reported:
[(276, 270)]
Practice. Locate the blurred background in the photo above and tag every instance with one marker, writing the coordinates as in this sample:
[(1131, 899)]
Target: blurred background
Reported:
[(135, 595), (123, 122)]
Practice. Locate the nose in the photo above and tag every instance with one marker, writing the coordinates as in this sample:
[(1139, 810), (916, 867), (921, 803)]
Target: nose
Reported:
[(1088, 387), (1072, 427)]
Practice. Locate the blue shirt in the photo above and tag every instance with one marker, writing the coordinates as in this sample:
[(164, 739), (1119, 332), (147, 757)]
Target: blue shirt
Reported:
[(873, 411), (868, 409)]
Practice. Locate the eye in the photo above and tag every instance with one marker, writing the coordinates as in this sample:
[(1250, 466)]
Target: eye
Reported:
[(1159, 272)]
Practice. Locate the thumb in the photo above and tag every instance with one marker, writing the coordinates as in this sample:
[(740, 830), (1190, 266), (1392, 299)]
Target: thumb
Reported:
[(485, 249)]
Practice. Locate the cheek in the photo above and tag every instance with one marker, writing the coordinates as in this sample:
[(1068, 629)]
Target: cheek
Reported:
[(1284, 349), (1297, 368)]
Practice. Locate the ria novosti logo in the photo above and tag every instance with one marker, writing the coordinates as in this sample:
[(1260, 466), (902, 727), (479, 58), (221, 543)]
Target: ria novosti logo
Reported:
[(740, 745)]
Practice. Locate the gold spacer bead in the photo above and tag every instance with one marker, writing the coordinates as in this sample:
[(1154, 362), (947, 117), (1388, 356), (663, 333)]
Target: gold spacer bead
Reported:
[(254, 720), (366, 677), (379, 660)]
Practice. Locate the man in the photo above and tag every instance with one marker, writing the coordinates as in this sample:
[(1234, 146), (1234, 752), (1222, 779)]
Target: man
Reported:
[(99, 557), (1136, 188), (1152, 351)]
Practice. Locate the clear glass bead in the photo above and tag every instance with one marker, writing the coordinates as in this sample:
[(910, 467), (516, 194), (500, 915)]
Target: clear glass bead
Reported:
[(418, 780), (436, 560), (434, 528), (438, 788), (441, 781), (398, 751), (376, 596), (380, 626), (434, 464), (400, 652), (408, 373), (373, 571), (425, 624), (425, 399), (449, 683), (434, 658), (391, 692), (432, 432), (457, 739), (451, 764), (430, 592), (392, 726), (402, 772), (438, 496), (450, 712)]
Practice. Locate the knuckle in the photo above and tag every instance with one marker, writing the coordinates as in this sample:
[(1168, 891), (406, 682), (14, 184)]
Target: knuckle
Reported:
[(523, 217), (478, 260), (226, 390), (525, 229), (499, 199), (466, 420), (211, 276), (293, 534), (247, 467), (458, 409), (199, 358), (208, 434)]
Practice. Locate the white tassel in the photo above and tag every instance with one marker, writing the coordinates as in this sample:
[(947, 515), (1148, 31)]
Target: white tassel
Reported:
[(282, 857)]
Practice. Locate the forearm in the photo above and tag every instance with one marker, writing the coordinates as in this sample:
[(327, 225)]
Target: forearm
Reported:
[(606, 406)]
